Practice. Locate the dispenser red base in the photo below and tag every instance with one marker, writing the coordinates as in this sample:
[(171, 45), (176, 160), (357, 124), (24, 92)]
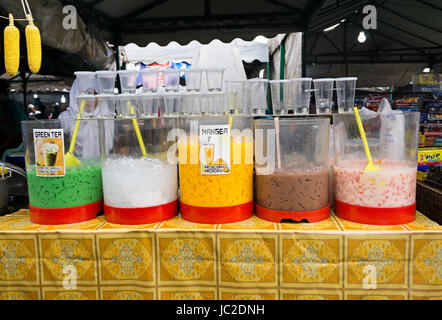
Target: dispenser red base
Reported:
[(278, 216), (65, 215), (216, 215), (375, 216), (133, 216)]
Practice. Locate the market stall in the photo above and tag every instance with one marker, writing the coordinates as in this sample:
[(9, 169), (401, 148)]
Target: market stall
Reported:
[(197, 183)]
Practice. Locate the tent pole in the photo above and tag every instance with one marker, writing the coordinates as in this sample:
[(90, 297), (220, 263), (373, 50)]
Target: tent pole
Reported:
[(304, 53), (117, 56), (117, 41), (268, 87), (25, 98), (282, 60), (345, 49)]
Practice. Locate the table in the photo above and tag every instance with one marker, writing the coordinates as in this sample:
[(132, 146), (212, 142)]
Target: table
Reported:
[(254, 259)]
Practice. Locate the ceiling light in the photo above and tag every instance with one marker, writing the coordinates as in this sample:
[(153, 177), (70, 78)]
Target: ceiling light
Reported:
[(426, 70), (35, 96), (63, 99), (331, 27), (362, 37)]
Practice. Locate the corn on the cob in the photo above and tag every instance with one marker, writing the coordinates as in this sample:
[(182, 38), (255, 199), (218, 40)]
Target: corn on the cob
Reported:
[(33, 44), (11, 37)]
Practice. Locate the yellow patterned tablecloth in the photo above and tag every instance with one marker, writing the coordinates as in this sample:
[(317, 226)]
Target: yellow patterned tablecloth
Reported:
[(254, 259)]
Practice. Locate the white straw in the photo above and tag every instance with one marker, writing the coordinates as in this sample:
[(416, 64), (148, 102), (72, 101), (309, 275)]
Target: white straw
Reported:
[(278, 153)]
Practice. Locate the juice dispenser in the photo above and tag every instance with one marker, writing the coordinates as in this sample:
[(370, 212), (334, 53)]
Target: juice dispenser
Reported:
[(140, 184), (63, 170), (216, 169), (292, 169), (385, 195)]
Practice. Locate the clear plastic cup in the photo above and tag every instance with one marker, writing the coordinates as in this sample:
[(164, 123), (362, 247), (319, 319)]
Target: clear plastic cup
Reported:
[(215, 103), (235, 96), (324, 95), (149, 77), (172, 104), (106, 81), (128, 80), (106, 106), (191, 104), (127, 105), (86, 82), (214, 78), (193, 79), (281, 96), (301, 95), (88, 103), (148, 104), (256, 96), (171, 79), (345, 90)]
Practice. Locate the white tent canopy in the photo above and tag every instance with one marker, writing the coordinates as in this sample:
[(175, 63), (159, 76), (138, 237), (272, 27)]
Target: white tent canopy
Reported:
[(215, 54)]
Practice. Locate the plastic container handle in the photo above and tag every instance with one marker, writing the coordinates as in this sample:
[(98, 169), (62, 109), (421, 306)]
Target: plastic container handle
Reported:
[(6, 168)]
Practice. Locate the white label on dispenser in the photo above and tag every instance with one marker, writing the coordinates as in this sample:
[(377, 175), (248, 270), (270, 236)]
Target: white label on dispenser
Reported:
[(214, 149), (49, 152)]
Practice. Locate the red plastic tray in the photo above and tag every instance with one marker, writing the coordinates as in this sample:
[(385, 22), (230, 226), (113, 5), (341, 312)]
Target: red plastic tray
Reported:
[(375, 216), (65, 215), (278, 216), (133, 216), (216, 215)]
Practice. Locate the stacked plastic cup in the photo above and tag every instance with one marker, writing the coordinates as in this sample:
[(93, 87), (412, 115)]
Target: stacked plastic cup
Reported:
[(171, 79), (256, 96), (193, 79), (172, 104), (191, 104), (106, 81), (149, 77), (301, 95), (128, 80), (88, 103), (281, 96), (86, 82), (127, 105), (235, 96), (148, 105), (106, 106), (214, 78), (324, 95), (215, 104), (345, 91)]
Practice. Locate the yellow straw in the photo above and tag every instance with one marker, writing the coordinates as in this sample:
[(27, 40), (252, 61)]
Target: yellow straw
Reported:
[(370, 166), (138, 132), (77, 125)]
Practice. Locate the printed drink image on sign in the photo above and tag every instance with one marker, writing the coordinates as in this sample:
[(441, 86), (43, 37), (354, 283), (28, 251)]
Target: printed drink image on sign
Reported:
[(49, 152), (214, 149)]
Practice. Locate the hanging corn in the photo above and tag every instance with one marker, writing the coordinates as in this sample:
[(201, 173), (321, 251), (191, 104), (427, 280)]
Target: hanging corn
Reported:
[(11, 37), (33, 44)]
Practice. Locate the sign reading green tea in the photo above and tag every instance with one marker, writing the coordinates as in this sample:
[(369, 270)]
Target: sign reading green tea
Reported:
[(49, 152)]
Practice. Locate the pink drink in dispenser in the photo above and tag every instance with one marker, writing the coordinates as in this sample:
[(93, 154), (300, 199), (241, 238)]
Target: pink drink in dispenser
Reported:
[(386, 196)]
